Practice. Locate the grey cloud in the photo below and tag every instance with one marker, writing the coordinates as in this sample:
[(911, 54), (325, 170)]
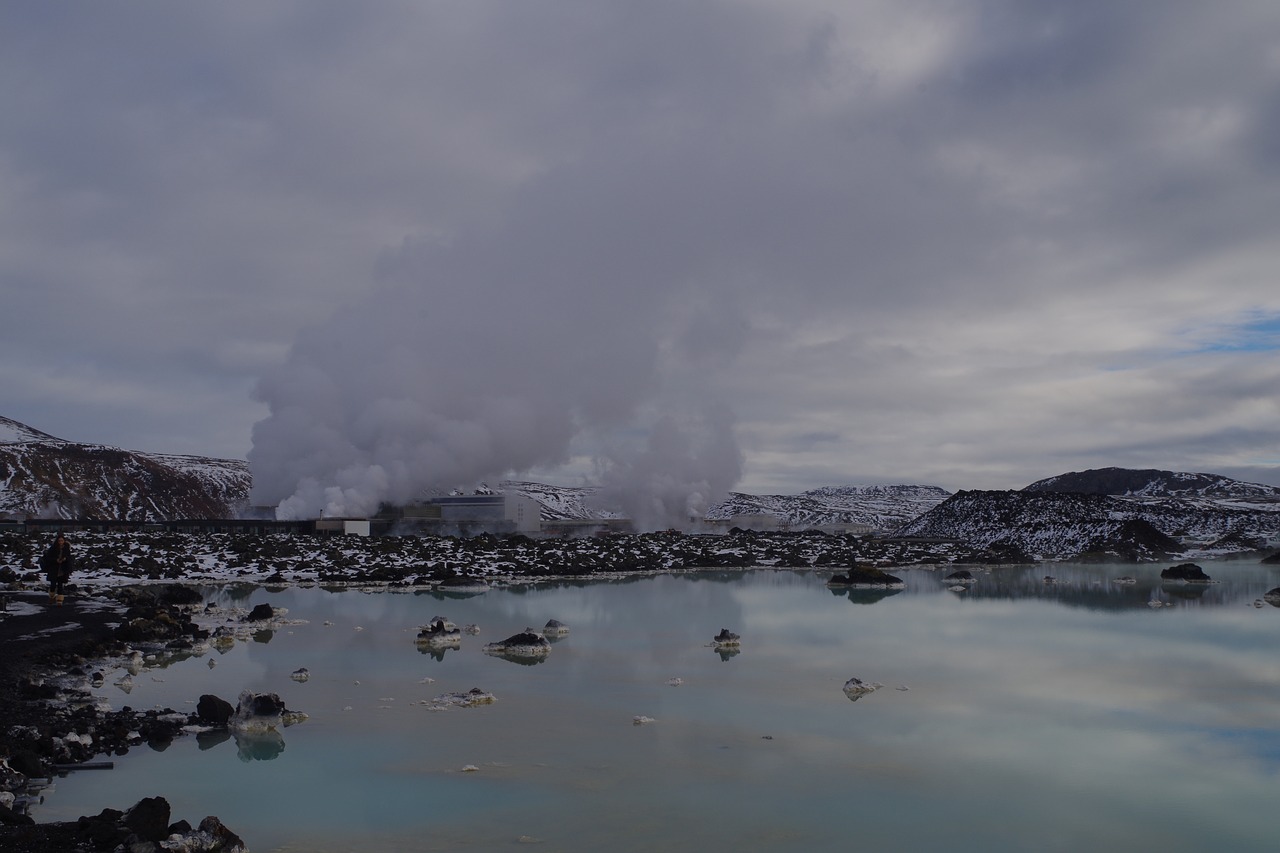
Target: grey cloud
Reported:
[(493, 236)]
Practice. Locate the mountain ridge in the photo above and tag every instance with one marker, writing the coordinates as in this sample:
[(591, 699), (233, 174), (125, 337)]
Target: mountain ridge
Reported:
[(1152, 483), (1126, 513), (42, 476), (1049, 525)]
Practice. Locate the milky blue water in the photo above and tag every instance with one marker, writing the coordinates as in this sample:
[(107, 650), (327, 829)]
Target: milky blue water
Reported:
[(1015, 715)]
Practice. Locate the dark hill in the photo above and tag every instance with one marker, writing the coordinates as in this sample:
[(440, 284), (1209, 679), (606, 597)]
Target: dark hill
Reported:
[(1152, 483), (46, 477)]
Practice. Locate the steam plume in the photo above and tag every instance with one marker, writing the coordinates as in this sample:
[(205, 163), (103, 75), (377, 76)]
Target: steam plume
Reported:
[(493, 355)]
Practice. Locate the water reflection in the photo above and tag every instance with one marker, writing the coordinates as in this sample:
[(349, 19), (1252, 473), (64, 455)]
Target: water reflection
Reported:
[(210, 738), (436, 652), (250, 746), (862, 595), (258, 746), (515, 657), (1185, 592), (1055, 701)]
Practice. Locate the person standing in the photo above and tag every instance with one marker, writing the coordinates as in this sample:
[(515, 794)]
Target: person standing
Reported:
[(57, 563)]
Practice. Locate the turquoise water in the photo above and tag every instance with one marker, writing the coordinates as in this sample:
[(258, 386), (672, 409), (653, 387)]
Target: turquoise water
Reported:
[(1060, 716)]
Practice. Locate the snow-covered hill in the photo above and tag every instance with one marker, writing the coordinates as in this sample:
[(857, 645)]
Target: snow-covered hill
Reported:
[(562, 503), (1066, 525), (879, 507), (1151, 484), (45, 476), (1113, 511)]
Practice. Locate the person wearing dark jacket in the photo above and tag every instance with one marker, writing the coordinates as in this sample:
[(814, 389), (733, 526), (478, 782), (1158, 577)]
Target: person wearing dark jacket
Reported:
[(57, 563)]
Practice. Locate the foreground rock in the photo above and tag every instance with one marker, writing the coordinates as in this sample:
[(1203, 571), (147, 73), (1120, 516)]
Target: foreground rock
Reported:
[(144, 828), (49, 720)]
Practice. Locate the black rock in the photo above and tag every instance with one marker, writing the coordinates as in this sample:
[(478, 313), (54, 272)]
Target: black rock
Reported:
[(262, 705), (149, 819), (223, 838), (260, 613), (8, 817), (26, 762), (104, 831), (527, 637), (214, 710), (1189, 572)]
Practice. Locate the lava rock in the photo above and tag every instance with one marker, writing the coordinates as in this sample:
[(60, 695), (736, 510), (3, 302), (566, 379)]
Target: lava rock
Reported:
[(1188, 572), (149, 819), (726, 638), (260, 613), (214, 710)]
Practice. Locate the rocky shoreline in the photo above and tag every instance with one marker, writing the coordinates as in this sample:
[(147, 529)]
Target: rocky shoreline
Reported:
[(51, 728), (138, 594)]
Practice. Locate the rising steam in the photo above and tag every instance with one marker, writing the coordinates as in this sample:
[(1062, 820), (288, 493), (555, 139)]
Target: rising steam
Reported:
[(484, 359)]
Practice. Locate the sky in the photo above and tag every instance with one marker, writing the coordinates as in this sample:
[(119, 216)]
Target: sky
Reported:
[(667, 248)]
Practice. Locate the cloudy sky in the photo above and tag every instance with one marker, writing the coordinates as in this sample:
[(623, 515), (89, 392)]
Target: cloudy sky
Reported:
[(760, 245)]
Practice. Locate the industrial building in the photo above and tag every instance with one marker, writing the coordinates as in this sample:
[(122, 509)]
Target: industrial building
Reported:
[(471, 515)]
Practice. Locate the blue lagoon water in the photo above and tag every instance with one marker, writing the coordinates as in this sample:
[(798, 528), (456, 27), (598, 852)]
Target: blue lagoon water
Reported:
[(1014, 715)]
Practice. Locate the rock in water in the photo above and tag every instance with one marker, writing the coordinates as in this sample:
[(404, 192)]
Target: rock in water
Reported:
[(261, 613), (214, 710), (726, 638), (1187, 572), (440, 632), (526, 644), (257, 712), (856, 688)]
